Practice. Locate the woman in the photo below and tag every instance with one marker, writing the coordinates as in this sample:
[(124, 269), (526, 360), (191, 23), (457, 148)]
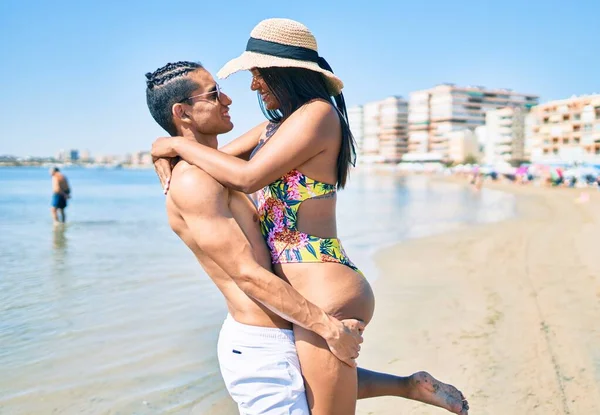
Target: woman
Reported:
[(295, 163)]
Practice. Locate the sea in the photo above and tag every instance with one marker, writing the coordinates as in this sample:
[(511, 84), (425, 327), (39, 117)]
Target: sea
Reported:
[(111, 314)]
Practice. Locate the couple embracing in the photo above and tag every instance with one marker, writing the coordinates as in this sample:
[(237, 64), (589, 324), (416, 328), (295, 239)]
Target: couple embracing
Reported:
[(259, 215)]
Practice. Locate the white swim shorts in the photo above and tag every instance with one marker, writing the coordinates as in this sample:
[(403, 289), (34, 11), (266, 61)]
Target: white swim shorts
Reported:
[(261, 369)]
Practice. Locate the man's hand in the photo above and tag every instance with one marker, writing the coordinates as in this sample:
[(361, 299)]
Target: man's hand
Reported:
[(162, 151), (163, 147), (162, 167), (344, 341)]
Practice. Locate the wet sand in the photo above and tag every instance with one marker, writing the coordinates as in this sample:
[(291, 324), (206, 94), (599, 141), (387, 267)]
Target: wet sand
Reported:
[(507, 312)]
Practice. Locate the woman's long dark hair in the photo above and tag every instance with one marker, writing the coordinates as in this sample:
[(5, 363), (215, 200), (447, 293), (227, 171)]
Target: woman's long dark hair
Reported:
[(294, 87)]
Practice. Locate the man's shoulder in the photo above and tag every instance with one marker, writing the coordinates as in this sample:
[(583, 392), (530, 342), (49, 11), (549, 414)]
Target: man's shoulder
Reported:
[(192, 187), (185, 175)]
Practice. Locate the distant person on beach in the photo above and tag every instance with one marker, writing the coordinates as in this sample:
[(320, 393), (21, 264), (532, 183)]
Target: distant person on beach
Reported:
[(60, 193), (310, 134)]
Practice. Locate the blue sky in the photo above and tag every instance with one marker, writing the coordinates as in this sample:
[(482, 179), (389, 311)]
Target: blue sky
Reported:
[(72, 72)]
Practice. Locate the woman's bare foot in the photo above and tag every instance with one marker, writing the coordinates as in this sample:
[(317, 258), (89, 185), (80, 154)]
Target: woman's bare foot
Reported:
[(425, 388)]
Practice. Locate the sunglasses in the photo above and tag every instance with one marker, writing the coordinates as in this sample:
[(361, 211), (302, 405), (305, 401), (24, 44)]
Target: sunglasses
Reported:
[(213, 96)]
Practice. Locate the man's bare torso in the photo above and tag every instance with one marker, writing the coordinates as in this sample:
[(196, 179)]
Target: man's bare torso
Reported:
[(59, 184), (243, 309)]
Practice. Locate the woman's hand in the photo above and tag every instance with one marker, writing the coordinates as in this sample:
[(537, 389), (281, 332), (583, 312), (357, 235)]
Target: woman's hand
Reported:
[(162, 167)]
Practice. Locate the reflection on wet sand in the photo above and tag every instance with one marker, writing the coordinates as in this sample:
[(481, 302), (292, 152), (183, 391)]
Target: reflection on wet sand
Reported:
[(59, 249), (59, 240)]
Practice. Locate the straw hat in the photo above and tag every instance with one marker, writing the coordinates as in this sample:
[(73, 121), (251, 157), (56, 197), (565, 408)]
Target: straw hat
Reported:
[(282, 43)]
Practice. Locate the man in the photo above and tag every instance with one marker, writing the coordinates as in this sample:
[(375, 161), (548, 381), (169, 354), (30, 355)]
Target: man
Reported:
[(60, 193), (256, 348)]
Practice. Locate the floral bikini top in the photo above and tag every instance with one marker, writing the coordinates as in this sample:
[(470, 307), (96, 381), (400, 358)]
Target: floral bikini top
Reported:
[(278, 205)]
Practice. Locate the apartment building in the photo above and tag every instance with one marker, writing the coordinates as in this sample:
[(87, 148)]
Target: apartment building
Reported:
[(530, 124), (383, 126), (566, 131), (505, 135), (355, 122), (370, 122), (435, 112), (462, 144)]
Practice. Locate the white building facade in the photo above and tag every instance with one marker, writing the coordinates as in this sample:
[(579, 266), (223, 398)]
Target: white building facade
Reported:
[(383, 127), (436, 112)]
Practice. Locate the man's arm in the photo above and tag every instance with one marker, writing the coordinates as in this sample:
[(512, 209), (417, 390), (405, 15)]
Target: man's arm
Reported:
[(66, 189), (203, 204)]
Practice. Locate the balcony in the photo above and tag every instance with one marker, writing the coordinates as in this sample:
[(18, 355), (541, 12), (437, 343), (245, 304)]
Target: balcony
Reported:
[(438, 139), (439, 144), (413, 127), (416, 149), (476, 94), (503, 149), (504, 140)]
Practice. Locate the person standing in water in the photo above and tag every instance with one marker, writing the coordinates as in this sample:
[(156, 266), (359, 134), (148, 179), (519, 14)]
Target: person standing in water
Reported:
[(60, 193)]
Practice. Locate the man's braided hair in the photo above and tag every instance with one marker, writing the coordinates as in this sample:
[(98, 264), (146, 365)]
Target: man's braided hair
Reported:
[(167, 86)]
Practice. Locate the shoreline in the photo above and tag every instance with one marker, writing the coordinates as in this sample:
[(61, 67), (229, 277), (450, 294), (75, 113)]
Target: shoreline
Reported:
[(507, 312), (368, 261), (364, 255)]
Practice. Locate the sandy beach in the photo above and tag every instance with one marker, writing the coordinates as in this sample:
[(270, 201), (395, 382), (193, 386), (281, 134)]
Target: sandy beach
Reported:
[(508, 312), (100, 319)]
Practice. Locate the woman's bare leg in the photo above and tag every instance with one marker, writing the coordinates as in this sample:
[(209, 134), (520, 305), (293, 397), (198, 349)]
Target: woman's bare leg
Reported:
[(420, 386), (331, 386)]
